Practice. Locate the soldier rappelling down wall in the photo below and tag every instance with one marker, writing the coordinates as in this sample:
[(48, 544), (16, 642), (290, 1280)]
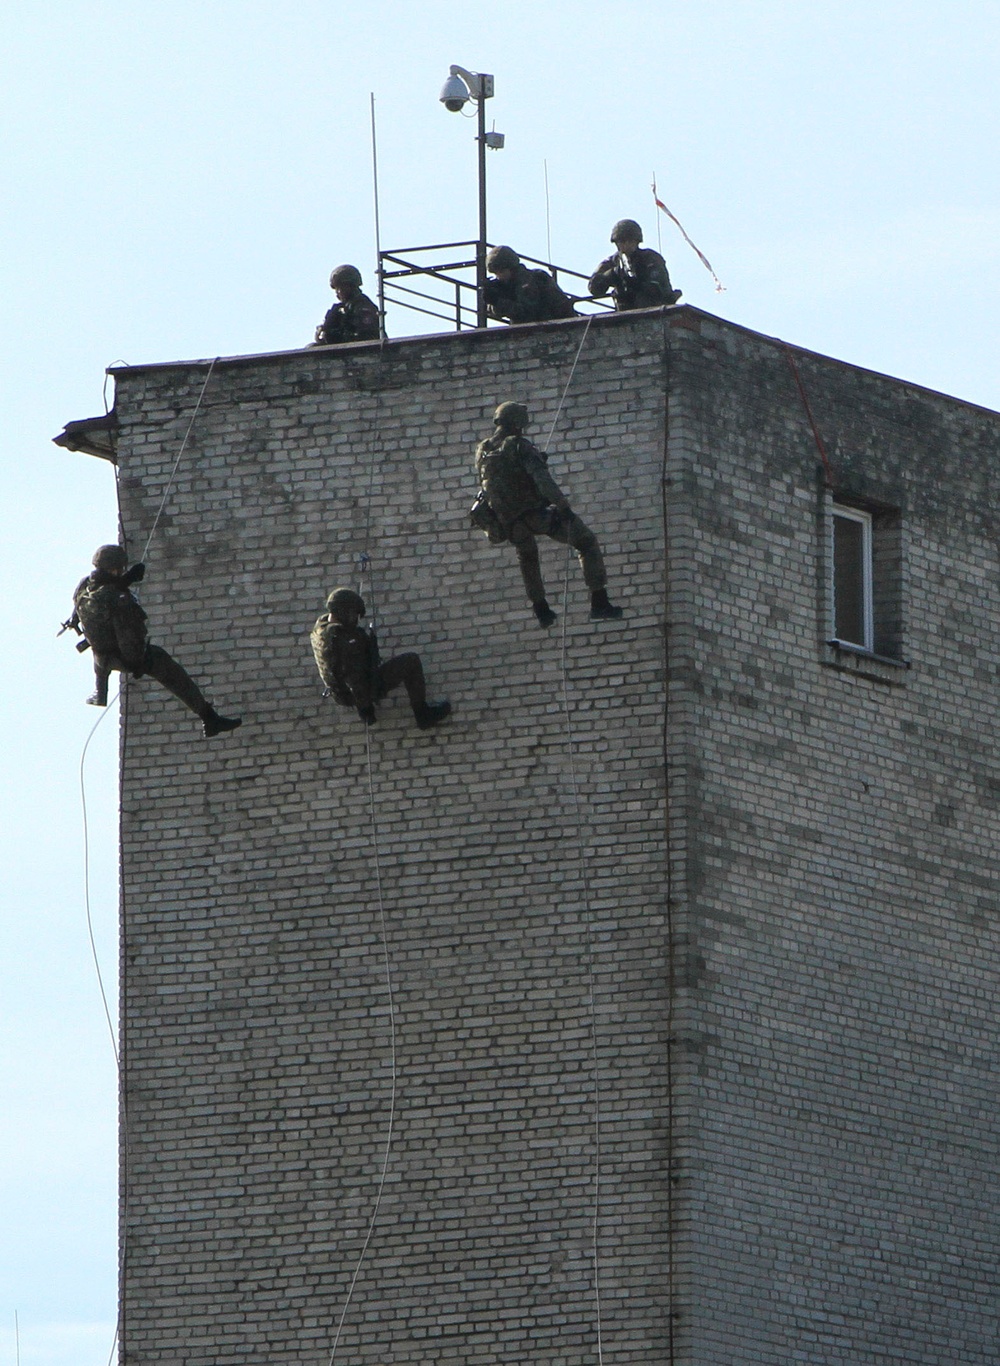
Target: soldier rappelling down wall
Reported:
[(354, 317), (348, 661), (109, 616), (636, 276), (519, 295), (521, 501)]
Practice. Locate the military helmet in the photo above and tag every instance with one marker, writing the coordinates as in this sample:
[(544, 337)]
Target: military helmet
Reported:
[(503, 258), (345, 599), (110, 558), (514, 415), (345, 275), (626, 230)]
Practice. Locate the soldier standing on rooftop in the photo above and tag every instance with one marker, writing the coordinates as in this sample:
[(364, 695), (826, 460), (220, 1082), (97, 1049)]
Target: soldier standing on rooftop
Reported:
[(107, 613), (527, 502), (354, 317), (636, 276)]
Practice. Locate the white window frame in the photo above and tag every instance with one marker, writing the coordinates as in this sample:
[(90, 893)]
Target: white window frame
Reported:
[(867, 575)]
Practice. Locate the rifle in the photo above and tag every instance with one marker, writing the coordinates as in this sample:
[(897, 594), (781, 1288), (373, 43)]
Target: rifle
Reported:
[(73, 624)]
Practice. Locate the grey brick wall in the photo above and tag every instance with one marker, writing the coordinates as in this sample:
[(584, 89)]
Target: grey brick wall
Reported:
[(840, 1161), (258, 1043), (796, 1153)]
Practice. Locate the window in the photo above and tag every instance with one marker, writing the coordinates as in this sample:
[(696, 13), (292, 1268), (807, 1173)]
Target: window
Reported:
[(864, 581), (853, 609)]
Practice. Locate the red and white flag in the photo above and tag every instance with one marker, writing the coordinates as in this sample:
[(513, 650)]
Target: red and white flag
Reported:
[(719, 286)]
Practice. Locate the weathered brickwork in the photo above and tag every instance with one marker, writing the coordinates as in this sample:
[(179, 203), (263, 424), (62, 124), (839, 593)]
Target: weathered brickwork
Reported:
[(840, 1157), (256, 1011), (758, 1018)]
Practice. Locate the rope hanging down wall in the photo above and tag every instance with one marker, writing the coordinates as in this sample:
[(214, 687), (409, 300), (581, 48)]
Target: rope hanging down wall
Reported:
[(119, 1068), (571, 744), (671, 973), (365, 567), (827, 471), (122, 695)]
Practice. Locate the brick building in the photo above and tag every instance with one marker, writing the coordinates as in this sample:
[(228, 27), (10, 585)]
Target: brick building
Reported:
[(681, 930)]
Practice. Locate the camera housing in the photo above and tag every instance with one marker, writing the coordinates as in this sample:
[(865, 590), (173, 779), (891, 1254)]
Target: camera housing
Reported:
[(454, 94)]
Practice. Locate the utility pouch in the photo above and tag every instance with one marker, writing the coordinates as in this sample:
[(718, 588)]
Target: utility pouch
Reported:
[(484, 519)]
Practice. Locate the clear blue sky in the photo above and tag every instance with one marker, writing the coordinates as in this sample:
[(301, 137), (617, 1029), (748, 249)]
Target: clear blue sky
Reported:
[(177, 181)]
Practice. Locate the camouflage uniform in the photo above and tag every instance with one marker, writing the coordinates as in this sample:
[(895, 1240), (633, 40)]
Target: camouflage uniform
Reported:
[(347, 657), (115, 627), (637, 281), (528, 503), (529, 296), (637, 277), (354, 320)]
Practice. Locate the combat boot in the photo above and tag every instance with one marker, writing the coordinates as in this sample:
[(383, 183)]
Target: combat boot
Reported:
[(98, 699), (431, 713), (601, 609), (543, 612), (214, 724)]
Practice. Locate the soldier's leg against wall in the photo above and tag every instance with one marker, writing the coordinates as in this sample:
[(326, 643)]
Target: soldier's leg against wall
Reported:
[(408, 670), (521, 537), (570, 530), (161, 666)]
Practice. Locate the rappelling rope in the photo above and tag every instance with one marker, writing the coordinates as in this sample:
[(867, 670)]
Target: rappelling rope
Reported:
[(123, 695), (183, 447), (365, 567), (364, 558), (392, 1048), (668, 851), (86, 882), (789, 356), (569, 381), (119, 1071), (588, 913), (591, 974)]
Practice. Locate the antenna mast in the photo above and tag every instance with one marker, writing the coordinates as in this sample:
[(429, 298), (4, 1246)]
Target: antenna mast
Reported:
[(378, 235)]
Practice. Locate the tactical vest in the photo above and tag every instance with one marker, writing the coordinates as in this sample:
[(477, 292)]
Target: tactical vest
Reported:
[(510, 489), (113, 622)]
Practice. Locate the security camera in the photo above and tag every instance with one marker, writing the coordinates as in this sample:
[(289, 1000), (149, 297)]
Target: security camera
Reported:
[(454, 94)]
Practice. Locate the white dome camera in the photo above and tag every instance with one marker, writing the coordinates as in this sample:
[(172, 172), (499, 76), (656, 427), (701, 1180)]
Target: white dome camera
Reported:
[(454, 94)]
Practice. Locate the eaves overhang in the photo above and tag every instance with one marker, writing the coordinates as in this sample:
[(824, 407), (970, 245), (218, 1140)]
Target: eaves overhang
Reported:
[(93, 436)]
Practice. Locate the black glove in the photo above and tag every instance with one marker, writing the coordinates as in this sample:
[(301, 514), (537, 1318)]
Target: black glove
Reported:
[(367, 715), (135, 575)]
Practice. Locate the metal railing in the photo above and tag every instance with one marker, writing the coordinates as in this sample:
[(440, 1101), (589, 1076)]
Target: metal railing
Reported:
[(448, 287)]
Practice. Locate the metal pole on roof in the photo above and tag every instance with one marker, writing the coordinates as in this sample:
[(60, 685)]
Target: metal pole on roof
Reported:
[(460, 87)]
